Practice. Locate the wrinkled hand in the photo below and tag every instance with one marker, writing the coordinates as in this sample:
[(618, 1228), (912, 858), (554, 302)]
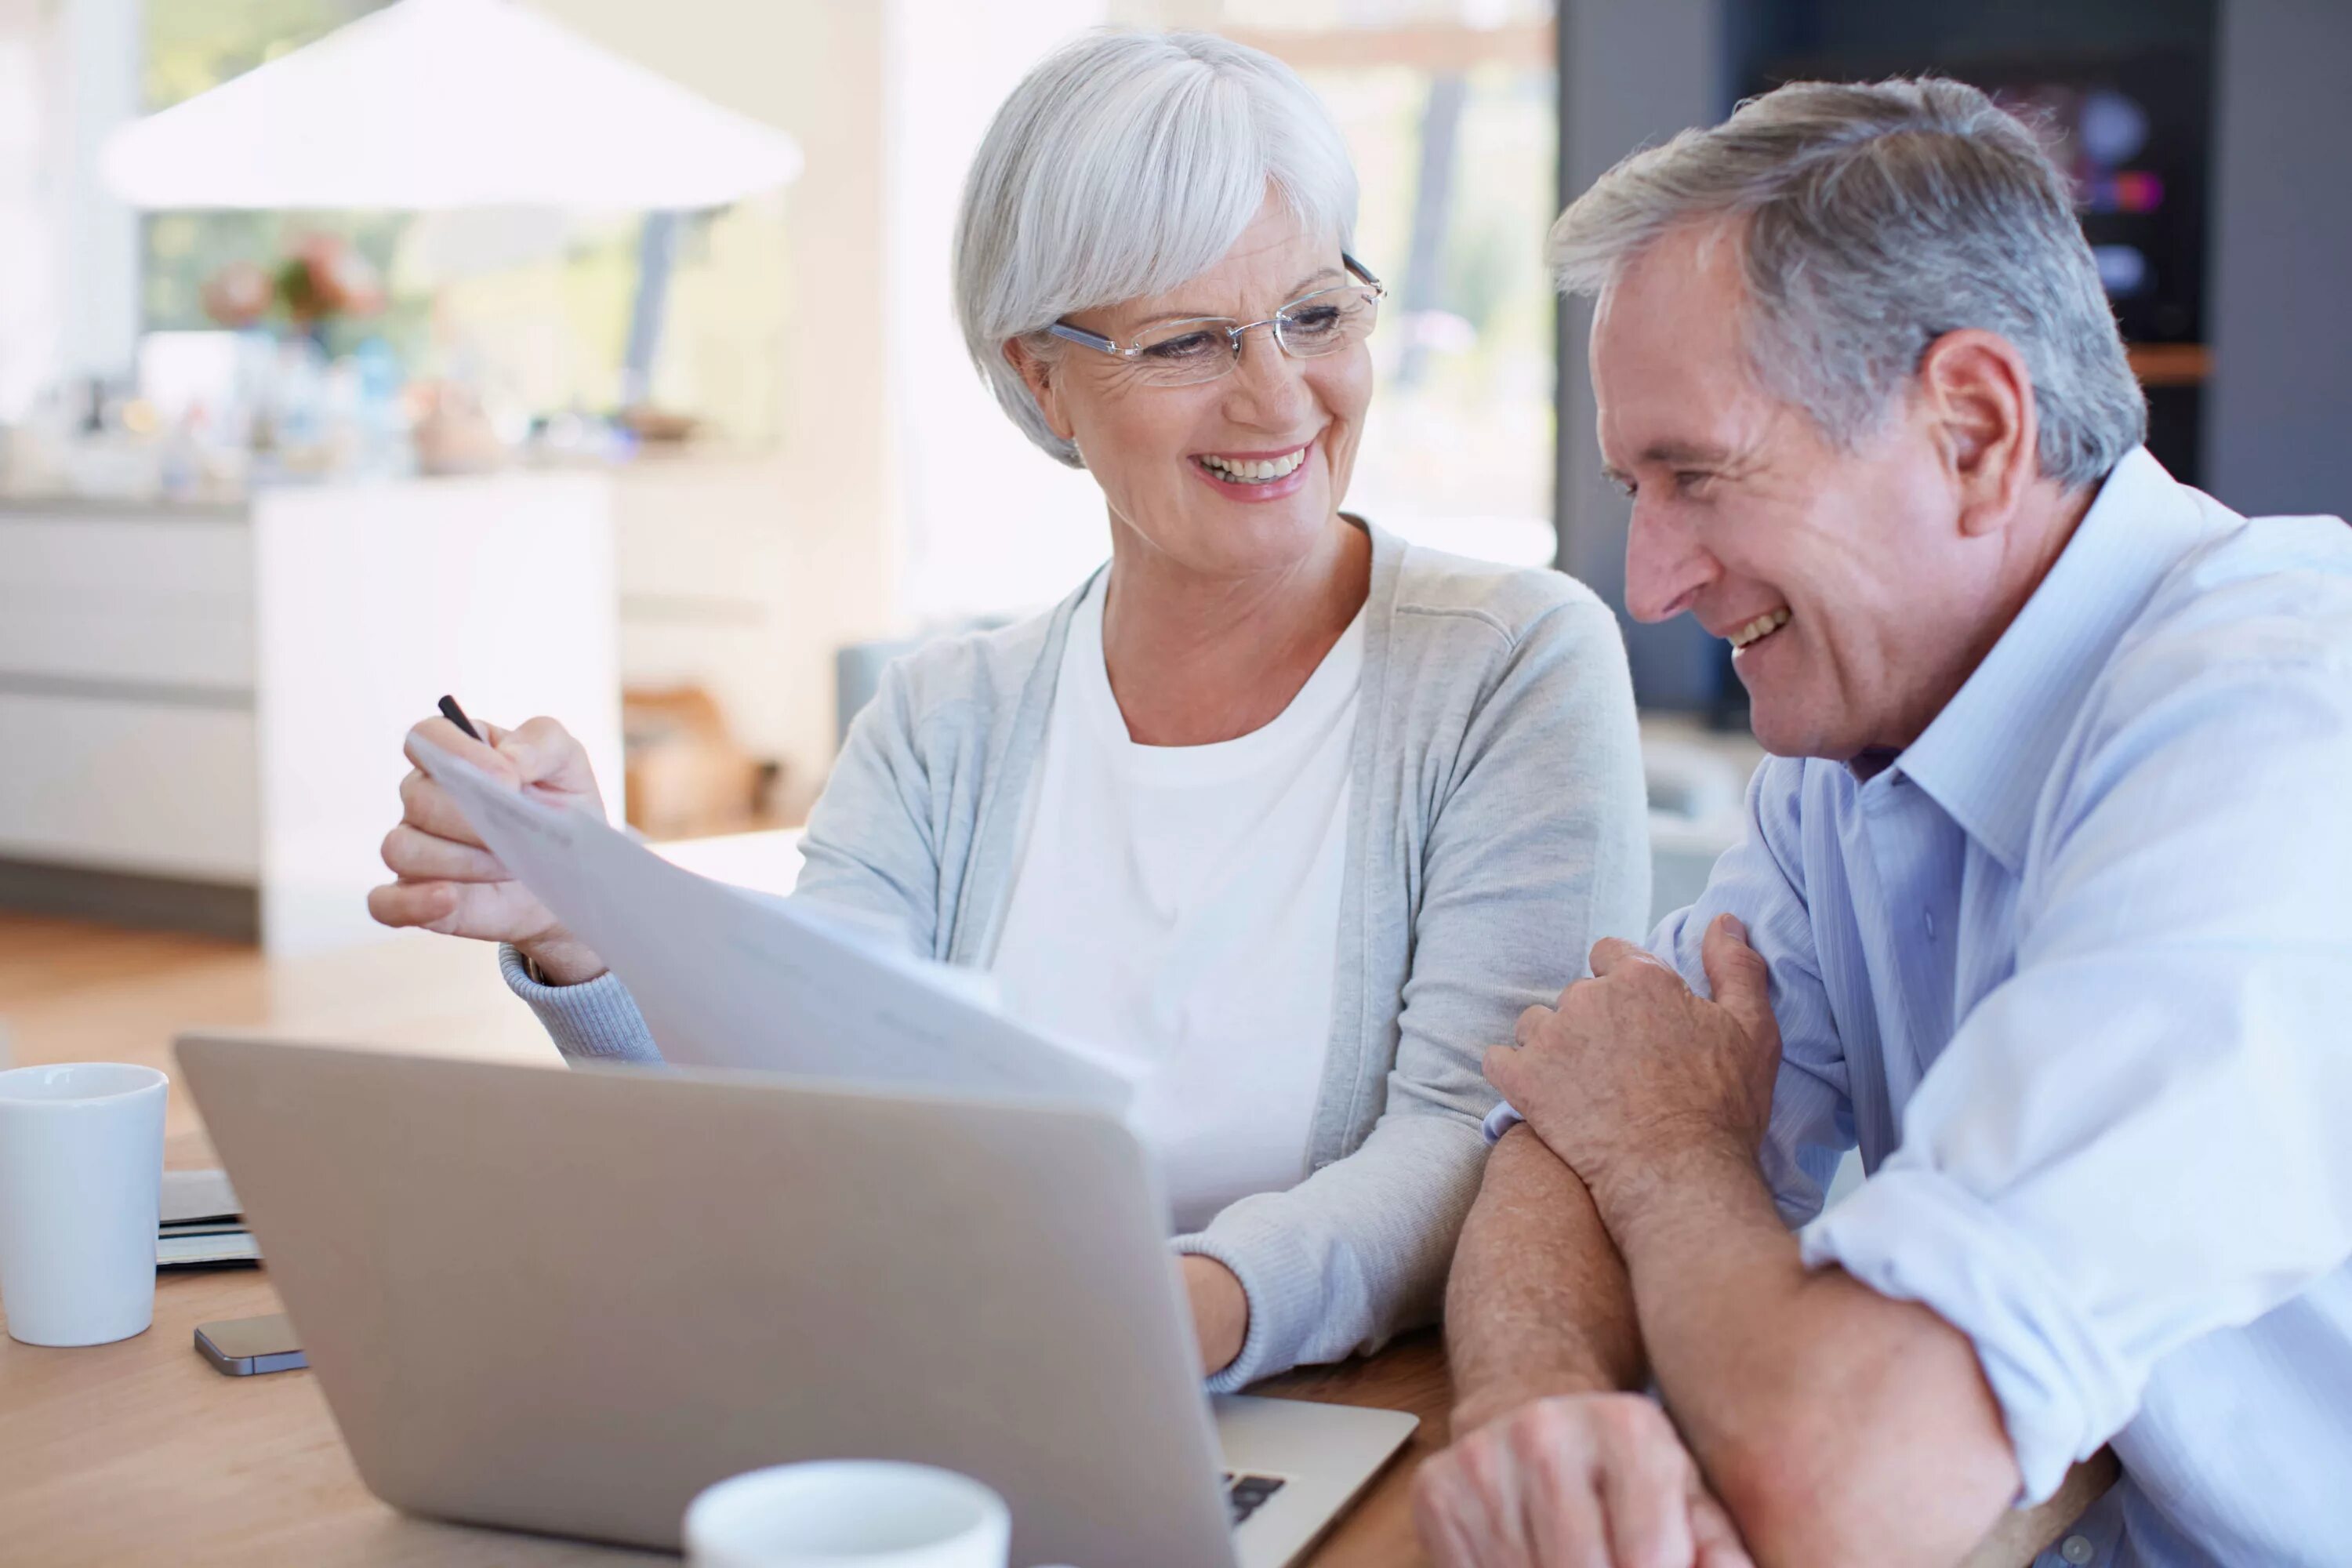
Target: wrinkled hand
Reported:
[(1633, 1065), (447, 878), (1581, 1481)]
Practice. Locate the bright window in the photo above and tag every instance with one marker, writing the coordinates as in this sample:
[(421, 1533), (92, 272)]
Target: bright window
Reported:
[(532, 309)]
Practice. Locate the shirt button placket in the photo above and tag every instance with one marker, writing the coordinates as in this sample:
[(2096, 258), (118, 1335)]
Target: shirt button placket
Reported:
[(2077, 1549)]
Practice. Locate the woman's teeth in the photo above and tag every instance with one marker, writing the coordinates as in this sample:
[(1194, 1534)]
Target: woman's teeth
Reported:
[(1759, 628), (1255, 471)]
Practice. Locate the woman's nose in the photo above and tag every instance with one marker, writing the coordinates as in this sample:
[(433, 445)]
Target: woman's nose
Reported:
[(1267, 387), (1665, 565)]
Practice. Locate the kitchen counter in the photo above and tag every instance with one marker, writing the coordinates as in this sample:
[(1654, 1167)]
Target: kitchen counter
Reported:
[(71, 506)]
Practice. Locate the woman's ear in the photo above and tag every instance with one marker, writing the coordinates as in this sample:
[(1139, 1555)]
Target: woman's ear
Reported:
[(1037, 372), (1981, 396)]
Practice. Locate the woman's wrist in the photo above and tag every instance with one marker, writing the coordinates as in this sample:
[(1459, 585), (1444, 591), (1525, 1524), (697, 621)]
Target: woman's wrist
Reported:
[(557, 959), (1220, 1310)]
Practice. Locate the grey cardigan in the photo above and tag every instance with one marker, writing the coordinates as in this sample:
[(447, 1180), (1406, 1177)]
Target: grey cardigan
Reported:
[(1497, 828)]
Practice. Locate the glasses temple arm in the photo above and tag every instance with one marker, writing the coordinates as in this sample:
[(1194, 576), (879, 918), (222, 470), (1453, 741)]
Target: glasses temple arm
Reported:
[(1086, 339)]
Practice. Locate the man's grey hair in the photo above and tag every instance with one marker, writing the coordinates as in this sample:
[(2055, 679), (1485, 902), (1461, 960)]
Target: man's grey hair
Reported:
[(1123, 165), (1870, 219)]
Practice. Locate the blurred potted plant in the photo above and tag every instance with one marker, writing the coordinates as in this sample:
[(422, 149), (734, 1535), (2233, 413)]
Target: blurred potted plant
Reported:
[(325, 280), (322, 280), (306, 418)]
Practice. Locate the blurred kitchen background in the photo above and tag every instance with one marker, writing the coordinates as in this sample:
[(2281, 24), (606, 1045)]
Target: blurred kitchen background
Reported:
[(594, 357)]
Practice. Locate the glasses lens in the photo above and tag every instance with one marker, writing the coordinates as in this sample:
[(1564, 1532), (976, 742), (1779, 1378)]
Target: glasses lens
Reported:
[(1325, 322), (1181, 352)]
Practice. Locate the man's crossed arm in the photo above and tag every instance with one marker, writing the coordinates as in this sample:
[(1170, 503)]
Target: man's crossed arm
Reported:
[(1835, 1424), (1554, 1464)]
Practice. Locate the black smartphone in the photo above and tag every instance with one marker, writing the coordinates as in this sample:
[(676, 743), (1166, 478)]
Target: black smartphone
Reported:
[(240, 1347)]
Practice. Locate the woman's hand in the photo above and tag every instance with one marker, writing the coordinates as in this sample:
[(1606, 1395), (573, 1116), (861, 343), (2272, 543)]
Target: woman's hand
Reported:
[(448, 882), (1220, 1310)]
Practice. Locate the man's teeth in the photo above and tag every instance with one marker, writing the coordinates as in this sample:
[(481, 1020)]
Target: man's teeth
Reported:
[(1255, 471), (1771, 622)]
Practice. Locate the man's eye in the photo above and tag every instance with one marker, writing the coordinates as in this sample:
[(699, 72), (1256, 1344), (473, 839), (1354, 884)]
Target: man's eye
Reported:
[(1691, 481)]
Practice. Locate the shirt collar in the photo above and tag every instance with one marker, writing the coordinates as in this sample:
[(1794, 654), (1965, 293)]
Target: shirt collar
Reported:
[(1985, 757)]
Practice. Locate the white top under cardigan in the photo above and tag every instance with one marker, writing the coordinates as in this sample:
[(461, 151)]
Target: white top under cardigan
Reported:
[(1179, 907), (1497, 827)]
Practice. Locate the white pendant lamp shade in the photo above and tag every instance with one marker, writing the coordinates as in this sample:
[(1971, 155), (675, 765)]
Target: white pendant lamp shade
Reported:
[(449, 104)]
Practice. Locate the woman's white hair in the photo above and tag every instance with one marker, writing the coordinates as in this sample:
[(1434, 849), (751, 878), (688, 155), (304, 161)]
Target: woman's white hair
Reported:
[(1123, 165), (1870, 219)]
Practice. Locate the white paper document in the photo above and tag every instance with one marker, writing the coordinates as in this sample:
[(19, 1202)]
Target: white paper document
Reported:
[(730, 978)]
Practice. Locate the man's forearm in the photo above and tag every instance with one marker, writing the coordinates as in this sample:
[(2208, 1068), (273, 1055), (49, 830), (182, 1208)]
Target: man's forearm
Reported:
[(1830, 1419), (1539, 1302)]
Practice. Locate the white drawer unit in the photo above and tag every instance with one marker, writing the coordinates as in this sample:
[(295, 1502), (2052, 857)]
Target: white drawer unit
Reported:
[(127, 692), (201, 708), (160, 602), (142, 787)]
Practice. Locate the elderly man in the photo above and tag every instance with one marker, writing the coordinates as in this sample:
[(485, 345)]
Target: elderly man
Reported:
[(2045, 900)]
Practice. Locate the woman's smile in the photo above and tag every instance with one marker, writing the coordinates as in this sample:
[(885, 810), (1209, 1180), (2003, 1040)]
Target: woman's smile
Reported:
[(1255, 476)]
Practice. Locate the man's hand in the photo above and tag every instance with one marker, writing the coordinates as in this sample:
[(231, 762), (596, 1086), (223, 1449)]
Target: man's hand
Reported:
[(1585, 1480), (1633, 1065)]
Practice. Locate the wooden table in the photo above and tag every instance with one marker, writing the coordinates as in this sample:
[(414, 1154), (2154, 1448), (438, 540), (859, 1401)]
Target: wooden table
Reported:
[(139, 1453)]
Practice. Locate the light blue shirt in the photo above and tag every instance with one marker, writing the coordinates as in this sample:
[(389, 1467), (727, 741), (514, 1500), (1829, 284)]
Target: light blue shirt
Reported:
[(2076, 971)]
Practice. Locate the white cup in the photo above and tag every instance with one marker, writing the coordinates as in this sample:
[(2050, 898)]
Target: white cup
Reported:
[(848, 1513), (81, 1165)]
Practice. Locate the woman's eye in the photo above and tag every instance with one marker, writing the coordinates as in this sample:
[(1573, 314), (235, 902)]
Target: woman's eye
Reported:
[(1316, 319), (1691, 481), (1192, 345)]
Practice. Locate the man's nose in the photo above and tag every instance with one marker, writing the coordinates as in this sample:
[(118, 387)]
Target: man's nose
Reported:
[(1665, 565)]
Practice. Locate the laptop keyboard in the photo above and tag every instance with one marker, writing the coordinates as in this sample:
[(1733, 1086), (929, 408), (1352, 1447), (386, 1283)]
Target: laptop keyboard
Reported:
[(1246, 1494)]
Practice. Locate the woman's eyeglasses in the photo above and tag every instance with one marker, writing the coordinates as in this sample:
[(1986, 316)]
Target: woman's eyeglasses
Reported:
[(1203, 348)]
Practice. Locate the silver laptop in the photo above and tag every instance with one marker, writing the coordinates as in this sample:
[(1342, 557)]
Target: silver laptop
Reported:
[(566, 1302)]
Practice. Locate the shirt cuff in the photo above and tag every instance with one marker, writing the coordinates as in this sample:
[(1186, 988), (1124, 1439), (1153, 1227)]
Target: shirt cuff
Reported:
[(1499, 1120), (1282, 1286), (1914, 1234), (596, 1019)]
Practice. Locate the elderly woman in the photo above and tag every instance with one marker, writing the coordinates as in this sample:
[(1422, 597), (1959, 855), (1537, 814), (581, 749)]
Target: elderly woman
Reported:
[(1299, 815)]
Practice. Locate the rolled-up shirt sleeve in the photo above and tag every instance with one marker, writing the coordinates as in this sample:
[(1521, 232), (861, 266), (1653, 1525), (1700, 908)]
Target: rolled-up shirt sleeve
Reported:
[(2139, 1138)]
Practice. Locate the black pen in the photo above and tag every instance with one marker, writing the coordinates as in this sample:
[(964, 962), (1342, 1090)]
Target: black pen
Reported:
[(456, 715)]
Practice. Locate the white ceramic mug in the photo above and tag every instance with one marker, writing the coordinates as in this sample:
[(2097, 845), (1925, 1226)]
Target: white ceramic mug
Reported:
[(81, 1165), (848, 1513)]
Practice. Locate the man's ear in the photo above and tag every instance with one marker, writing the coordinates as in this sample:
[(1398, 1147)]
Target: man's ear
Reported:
[(1037, 372), (1979, 397)]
